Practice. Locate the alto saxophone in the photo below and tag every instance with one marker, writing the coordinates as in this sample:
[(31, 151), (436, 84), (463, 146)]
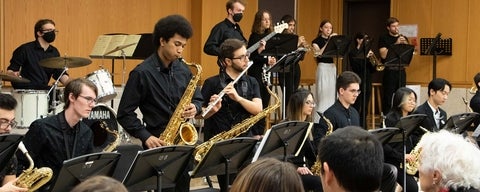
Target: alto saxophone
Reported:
[(178, 130), (412, 166), (113, 145), (316, 167), (32, 178), (202, 149)]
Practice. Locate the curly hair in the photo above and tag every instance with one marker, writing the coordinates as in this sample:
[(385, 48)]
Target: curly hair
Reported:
[(168, 26)]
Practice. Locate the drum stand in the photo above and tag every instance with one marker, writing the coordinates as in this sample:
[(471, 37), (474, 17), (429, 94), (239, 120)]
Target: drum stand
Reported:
[(54, 95)]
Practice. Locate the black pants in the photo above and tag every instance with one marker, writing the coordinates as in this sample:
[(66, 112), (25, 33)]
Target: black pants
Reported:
[(392, 80)]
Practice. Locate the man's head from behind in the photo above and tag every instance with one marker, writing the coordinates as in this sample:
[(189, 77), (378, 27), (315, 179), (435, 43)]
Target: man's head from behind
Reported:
[(352, 160), (7, 113)]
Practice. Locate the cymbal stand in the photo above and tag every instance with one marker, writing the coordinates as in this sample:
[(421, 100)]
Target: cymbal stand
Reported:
[(54, 95), (124, 67)]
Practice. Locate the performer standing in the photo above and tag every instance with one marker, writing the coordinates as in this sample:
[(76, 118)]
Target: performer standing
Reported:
[(361, 65), (394, 77), (156, 86), (25, 59), (54, 139), (262, 26), (291, 80), (226, 29), (241, 101), (326, 69)]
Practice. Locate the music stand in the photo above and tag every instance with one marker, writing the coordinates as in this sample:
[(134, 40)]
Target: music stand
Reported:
[(225, 157), (283, 140), (362, 54), (157, 168), (460, 122), (384, 135), (8, 146), (407, 125), (78, 169), (399, 55)]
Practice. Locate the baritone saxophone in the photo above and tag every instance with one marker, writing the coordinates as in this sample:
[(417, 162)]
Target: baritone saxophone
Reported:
[(32, 178), (178, 130), (317, 166)]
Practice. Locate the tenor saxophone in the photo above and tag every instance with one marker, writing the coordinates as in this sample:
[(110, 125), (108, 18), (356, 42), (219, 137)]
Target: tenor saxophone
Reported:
[(114, 144), (32, 178), (316, 167), (178, 130), (202, 149)]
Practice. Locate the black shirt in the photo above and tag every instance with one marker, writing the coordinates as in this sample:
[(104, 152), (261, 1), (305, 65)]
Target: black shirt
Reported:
[(50, 141), (320, 41), (341, 117), (156, 91), (475, 106), (27, 58), (9, 169), (231, 112), (221, 32)]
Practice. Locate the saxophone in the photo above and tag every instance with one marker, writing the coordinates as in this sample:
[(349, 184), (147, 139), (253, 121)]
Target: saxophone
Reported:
[(412, 166), (32, 178), (178, 131), (202, 149), (113, 145), (316, 167)]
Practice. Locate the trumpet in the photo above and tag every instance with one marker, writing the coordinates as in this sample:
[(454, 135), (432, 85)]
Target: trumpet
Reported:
[(379, 66)]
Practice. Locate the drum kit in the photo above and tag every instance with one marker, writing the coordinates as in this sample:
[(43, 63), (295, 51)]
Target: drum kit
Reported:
[(34, 104)]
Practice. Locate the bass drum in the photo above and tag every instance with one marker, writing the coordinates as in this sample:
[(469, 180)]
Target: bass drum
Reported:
[(103, 117)]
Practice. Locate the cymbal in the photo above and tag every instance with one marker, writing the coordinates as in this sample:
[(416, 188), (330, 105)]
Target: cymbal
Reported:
[(61, 62), (15, 79)]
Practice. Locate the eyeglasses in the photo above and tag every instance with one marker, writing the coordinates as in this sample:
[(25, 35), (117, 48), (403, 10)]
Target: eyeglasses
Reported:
[(311, 103), (242, 57), (49, 30), (357, 91), (90, 100), (4, 124)]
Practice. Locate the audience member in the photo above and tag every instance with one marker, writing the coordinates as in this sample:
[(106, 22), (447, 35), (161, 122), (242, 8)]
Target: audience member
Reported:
[(266, 175), (448, 162), (100, 184)]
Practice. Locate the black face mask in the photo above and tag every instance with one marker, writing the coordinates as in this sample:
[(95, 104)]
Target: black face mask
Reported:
[(237, 17), (49, 36)]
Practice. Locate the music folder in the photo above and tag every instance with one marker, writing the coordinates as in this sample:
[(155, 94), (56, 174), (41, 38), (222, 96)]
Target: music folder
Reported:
[(284, 140), (399, 55), (8, 146), (407, 125), (460, 122), (384, 135)]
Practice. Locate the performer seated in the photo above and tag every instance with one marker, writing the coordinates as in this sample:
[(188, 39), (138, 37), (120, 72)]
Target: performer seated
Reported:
[(404, 102), (475, 101), (7, 123), (54, 139), (342, 114), (438, 90)]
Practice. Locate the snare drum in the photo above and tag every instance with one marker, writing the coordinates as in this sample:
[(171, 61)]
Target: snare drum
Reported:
[(32, 105), (103, 80), (101, 137)]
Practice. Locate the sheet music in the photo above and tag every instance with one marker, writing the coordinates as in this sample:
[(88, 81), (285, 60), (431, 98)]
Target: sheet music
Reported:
[(107, 43), (101, 45)]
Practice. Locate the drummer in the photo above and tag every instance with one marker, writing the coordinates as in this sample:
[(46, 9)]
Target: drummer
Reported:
[(26, 59)]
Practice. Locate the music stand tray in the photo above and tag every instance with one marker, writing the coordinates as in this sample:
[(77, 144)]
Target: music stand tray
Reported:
[(8, 146), (460, 122), (78, 169), (384, 134), (407, 125), (284, 140), (157, 168), (399, 55), (336, 46), (280, 44)]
